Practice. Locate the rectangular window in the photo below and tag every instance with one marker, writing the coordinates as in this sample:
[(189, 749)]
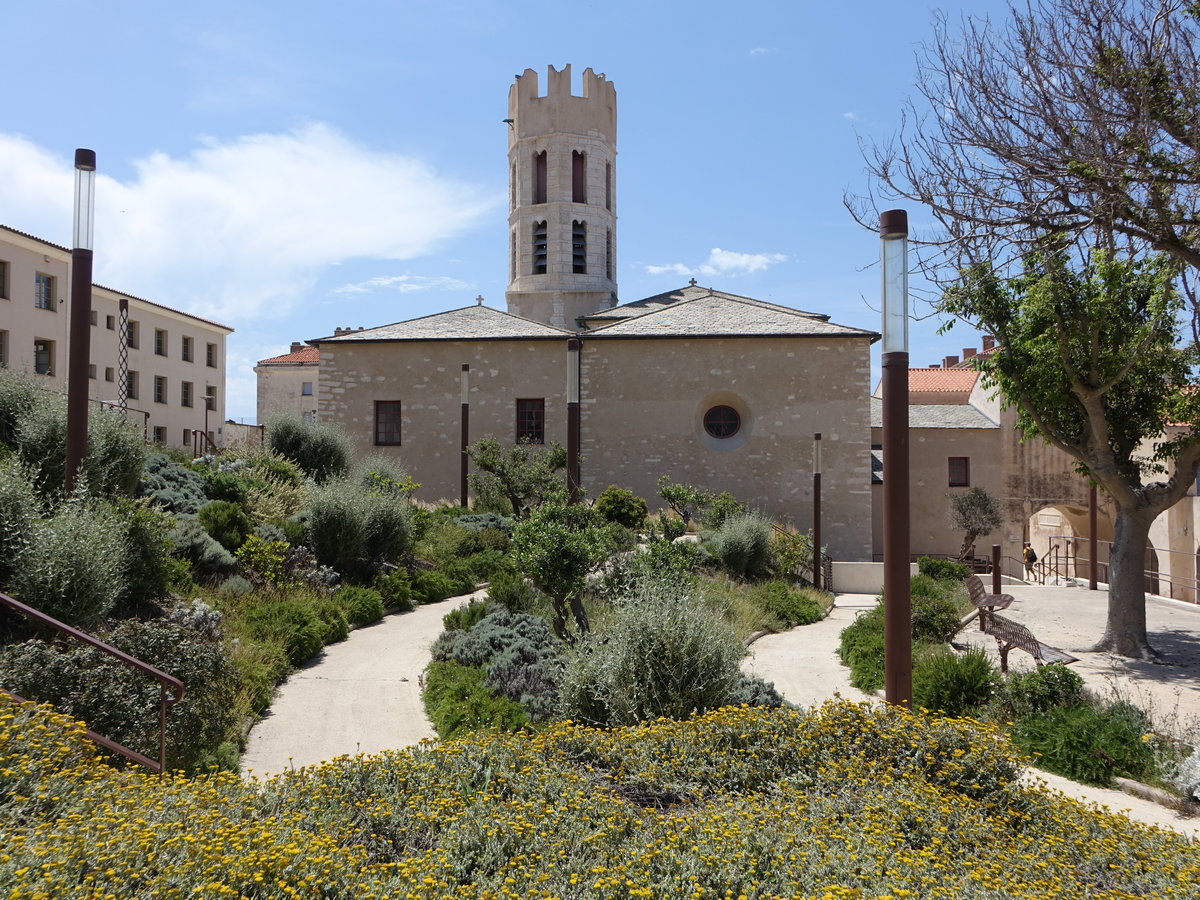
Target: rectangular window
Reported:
[(387, 423), (187, 437), (160, 434), (92, 371), (531, 421), (160, 389), (131, 385), (960, 471), (3, 280), (210, 397), (608, 255), (110, 374), (131, 334), (539, 177), (160, 342), (43, 356), (608, 185), (43, 291), (579, 248), (110, 322), (306, 389), (578, 177), (210, 356), (308, 416), (185, 393), (185, 349), (94, 317), (539, 248), (3, 349)]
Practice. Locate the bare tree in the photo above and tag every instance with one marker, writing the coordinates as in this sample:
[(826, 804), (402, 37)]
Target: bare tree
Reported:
[(1071, 118)]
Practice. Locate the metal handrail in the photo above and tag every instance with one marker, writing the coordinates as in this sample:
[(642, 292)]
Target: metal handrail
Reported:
[(201, 441), (164, 681)]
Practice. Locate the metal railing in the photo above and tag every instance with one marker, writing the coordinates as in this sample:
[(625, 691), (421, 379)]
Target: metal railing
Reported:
[(1068, 557), (202, 444), (164, 681)]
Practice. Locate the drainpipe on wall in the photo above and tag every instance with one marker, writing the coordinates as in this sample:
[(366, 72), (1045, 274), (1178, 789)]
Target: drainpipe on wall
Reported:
[(573, 436)]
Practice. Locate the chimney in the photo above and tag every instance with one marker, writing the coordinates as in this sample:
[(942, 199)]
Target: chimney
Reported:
[(950, 361), (297, 347), (989, 343), (968, 352), (936, 366)]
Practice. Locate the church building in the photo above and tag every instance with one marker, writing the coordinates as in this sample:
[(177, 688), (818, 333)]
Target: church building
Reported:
[(704, 386)]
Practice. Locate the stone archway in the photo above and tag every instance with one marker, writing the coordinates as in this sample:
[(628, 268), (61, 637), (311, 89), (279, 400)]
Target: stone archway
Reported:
[(1058, 533)]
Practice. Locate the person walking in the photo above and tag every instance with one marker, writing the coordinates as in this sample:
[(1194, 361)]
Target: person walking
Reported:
[(1030, 558)]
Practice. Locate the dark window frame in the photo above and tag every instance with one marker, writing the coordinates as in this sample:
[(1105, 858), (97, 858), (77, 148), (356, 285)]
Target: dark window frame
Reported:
[(722, 422), (961, 477), (389, 432), (541, 248), (578, 176), (44, 288), (539, 177), (531, 420)]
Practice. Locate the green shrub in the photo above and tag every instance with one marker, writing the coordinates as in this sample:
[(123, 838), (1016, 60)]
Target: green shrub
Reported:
[(320, 449), (356, 531), (1021, 694), (226, 522), (333, 615), (1088, 743), (512, 591), (952, 684), (430, 587), (395, 589), (265, 561), (228, 486), (122, 703), (171, 486), (793, 553), (235, 586), (721, 508), (291, 623), (384, 475), (458, 702), (363, 605), (742, 545), (942, 569), (622, 507), (935, 610), (73, 567), (18, 396), (663, 655), (147, 566), (465, 616), (861, 648), (485, 521), (20, 514), (753, 691), (791, 606)]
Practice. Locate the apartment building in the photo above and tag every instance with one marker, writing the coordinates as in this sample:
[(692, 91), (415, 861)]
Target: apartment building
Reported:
[(165, 367)]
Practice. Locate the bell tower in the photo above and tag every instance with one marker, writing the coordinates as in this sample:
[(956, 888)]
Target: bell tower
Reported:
[(562, 219)]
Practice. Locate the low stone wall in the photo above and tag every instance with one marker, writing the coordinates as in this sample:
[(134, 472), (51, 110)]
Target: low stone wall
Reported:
[(860, 577)]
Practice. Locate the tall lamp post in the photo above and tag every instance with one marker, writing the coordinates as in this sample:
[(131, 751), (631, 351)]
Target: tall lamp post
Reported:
[(81, 315), (816, 549), (897, 601)]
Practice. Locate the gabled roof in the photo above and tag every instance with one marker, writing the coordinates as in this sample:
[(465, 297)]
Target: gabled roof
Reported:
[(303, 355), (701, 312), (942, 380), (936, 415), (470, 323)]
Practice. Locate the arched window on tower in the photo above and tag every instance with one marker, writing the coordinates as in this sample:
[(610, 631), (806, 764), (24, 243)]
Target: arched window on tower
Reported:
[(579, 248), (578, 176), (539, 248), (608, 255), (539, 177), (512, 257), (608, 185), (512, 187)]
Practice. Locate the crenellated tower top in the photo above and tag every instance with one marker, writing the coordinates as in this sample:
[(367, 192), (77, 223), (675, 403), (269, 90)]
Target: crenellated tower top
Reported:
[(562, 197)]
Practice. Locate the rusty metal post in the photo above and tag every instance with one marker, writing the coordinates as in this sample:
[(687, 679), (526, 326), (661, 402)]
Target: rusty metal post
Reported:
[(816, 548), (996, 569), (573, 424), (1093, 548), (897, 600), (465, 401), (81, 316)]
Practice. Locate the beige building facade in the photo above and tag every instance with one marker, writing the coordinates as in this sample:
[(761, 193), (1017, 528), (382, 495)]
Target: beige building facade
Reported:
[(166, 367), (288, 383)]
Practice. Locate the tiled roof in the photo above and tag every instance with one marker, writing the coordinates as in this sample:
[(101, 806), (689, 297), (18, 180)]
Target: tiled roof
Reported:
[(942, 380), (700, 312), (470, 323), (936, 415), (303, 355), (658, 301)]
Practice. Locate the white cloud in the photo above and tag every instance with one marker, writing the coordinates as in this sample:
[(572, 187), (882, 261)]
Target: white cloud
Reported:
[(761, 51), (242, 229), (721, 262), (404, 284), (849, 115)]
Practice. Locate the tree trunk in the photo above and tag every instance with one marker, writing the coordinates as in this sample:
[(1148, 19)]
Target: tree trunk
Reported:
[(1125, 630), (581, 616)]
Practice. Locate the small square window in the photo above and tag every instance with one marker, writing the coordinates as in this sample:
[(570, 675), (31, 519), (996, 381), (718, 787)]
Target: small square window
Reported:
[(92, 371), (43, 356), (160, 342), (210, 397), (131, 385), (531, 421), (185, 349), (187, 437), (387, 423), (131, 334), (960, 471), (3, 348), (109, 374), (185, 393), (110, 322), (210, 355), (306, 389), (160, 389), (160, 434), (94, 316)]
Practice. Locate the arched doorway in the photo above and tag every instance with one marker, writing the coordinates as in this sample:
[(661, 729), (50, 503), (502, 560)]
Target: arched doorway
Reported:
[(1059, 536)]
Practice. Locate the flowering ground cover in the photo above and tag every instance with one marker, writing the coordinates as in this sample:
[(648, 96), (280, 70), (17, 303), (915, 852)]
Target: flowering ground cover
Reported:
[(846, 801)]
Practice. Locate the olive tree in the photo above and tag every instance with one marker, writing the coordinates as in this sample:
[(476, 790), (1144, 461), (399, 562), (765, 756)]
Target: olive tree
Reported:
[(976, 513)]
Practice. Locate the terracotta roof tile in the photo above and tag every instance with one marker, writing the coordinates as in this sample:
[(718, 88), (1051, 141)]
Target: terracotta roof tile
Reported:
[(942, 380), (303, 355)]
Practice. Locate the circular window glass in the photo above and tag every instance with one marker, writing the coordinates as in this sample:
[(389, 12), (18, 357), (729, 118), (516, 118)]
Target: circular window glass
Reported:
[(722, 421)]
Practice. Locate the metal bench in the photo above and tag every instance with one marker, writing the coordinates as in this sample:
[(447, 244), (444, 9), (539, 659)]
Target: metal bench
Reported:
[(1010, 634), (985, 604)]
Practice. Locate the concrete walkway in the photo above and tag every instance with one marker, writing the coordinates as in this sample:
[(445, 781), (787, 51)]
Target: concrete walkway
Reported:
[(360, 696)]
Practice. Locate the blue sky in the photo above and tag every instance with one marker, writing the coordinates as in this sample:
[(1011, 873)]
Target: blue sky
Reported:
[(290, 168)]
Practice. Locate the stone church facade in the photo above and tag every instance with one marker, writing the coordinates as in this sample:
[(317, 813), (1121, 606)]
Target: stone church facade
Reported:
[(698, 384)]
